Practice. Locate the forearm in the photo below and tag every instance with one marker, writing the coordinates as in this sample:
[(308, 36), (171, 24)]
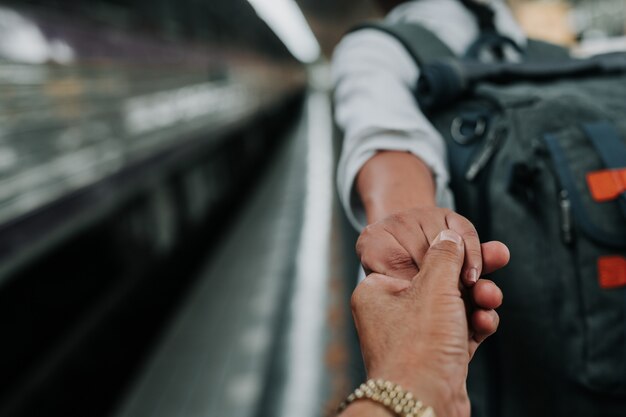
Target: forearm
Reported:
[(394, 181)]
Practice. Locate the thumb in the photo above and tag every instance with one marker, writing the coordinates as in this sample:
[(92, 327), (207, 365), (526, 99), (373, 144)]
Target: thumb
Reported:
[(443, 261)]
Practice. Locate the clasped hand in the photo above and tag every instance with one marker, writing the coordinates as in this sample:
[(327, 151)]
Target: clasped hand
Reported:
[(396, 247), (419, 314)]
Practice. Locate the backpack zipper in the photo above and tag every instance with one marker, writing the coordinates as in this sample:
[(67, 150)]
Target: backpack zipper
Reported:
[(566, 220), (565, 206), (492, 144)]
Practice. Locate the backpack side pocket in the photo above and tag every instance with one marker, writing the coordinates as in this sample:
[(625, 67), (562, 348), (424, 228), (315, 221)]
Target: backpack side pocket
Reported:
[(600, 235)]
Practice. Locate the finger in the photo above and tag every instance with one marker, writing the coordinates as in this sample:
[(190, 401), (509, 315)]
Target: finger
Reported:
[(407, 231), (385, 283), (381, 253), (484, 324), (442, 262), (472, 268), (371, 290), (433, 226), (486, 294), (495, 256)]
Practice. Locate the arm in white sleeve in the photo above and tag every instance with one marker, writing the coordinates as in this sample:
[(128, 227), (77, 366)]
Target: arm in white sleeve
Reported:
[(374, 80)]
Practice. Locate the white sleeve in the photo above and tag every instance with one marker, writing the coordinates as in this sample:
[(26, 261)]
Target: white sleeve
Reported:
[(374, 79)]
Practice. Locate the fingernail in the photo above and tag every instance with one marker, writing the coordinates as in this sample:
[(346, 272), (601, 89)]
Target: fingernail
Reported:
[(472, 275), (448, 235)]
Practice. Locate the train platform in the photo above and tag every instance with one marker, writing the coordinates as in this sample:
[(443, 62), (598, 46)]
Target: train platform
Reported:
[(265, 325), (201, 260)]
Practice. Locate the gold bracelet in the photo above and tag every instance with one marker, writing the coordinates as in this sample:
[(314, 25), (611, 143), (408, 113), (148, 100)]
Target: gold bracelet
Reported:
[(390, 395)]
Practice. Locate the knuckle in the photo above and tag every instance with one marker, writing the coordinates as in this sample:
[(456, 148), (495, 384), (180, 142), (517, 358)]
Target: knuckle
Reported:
[(358, 298), (369, 234), (359, 247), (363, 240), (475, 256), (398, 260), (470, 233), (362, 248), (396, 218), (455, 218), (367, 256), (368, 230), (390, 262)]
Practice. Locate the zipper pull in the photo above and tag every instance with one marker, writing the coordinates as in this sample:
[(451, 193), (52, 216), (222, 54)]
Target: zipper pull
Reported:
[(565, 206), (489, 150)]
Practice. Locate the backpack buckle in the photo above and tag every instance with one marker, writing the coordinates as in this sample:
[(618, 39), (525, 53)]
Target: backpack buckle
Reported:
[(466, 130)]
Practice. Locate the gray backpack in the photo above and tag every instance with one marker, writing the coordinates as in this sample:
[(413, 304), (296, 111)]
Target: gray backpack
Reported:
[(537, 155)]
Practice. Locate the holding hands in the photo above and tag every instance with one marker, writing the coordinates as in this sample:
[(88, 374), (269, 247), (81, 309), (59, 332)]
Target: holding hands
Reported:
[(396, 247), (416, 331), (422, 311)]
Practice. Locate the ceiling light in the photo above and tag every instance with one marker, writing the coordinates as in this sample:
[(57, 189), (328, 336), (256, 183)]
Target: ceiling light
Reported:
[(285, 18)]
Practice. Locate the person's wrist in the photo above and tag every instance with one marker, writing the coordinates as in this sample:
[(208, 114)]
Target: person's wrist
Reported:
[(393, 181), (380, 209), (428, 387), (382, 397)]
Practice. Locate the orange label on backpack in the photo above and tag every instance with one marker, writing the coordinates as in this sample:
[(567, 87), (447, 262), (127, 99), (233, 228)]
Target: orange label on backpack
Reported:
[(612, 271), (607, 185)]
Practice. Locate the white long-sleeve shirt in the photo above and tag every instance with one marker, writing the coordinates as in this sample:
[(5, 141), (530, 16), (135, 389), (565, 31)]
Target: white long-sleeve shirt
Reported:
[(375, 77)]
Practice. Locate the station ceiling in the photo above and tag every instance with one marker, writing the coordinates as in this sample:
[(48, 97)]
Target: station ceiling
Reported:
[(330, 19), (234, 23)]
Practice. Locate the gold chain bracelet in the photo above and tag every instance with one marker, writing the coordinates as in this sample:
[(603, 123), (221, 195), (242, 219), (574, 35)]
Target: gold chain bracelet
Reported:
[(390, 395)]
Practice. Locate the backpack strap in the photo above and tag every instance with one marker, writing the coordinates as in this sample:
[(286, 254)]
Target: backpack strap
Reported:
[(489, 38), (540, 51), (611, 148), (423, 46), (494, 42), (484, 14), (443, 82)]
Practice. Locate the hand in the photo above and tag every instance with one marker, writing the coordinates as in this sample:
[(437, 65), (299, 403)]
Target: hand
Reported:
[(415, 332), (396, 245), (398, 194)]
